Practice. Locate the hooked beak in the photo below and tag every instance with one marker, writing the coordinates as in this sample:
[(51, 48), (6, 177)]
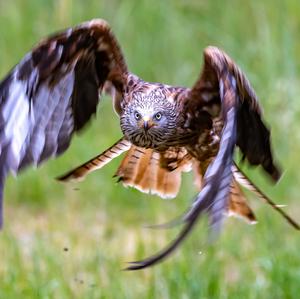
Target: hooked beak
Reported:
[(147, 123)]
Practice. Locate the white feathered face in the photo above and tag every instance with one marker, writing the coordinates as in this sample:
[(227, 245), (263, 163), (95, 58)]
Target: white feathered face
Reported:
[(149, 120)]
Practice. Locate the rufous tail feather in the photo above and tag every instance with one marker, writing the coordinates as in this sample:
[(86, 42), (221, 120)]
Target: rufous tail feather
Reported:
[(142, 169)]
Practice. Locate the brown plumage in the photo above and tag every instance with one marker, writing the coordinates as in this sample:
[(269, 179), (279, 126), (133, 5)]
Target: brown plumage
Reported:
[(238, 205), (53, 92), (147, 171), (78, 173)]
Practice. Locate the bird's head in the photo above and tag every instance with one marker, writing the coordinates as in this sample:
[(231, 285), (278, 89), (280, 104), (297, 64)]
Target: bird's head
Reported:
[(150, 118)]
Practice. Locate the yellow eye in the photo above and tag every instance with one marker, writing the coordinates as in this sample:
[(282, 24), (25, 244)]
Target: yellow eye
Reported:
[(137, 116), (158, 116)]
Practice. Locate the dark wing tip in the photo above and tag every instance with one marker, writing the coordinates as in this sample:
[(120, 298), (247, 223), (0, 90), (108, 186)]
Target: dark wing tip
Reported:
[(276, 174), (63, 178), (69, 176), (137, 265)]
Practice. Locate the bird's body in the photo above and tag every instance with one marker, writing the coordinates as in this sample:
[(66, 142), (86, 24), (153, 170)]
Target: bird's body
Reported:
[(53, 92)]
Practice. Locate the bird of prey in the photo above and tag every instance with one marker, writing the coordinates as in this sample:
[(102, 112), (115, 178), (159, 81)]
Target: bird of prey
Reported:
[(54, 90)]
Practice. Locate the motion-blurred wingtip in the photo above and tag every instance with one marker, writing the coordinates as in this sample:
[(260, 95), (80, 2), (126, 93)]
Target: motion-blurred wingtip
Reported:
[(134, 265), (276, 174), (65, 178), (166, 225)]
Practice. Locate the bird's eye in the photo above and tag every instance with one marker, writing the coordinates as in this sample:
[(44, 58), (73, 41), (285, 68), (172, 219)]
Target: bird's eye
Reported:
[(158, 116), (137, 116)]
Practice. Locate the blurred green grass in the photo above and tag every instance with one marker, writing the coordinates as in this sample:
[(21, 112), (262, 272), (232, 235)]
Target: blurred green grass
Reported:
[(71, 241)]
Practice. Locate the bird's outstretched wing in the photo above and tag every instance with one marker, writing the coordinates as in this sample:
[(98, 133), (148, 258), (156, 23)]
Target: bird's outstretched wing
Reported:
[(222, 84), (53, 92)]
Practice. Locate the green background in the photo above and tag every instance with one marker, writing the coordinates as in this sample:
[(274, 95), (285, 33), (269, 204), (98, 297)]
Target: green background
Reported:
[(71, 241)]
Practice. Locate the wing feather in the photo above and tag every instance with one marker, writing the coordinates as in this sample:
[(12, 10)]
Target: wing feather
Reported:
[(248, 184), (79, 173), (222, 83), (54, 91)]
